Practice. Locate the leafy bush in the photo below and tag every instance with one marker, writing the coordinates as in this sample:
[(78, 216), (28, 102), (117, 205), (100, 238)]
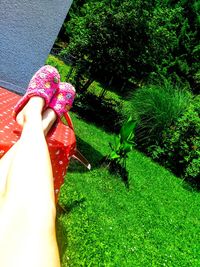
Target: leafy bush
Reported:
[(155, 108), (180, 146), (106, 113)]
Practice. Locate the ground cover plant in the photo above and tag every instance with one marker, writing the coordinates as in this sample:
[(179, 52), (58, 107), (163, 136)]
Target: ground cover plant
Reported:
[(154, 223)]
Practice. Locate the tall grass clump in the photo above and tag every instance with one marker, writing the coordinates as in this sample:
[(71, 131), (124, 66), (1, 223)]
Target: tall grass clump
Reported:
[(155, 108)]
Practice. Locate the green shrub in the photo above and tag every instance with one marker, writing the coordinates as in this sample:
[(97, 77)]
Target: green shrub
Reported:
[(180, 146), (106, 113), (155, 108), (59, 65)]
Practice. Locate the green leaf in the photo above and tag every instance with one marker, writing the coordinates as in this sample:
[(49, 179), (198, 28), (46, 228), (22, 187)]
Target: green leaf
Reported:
[(116, 142), (127, 129), (114, 155), (127, 147)]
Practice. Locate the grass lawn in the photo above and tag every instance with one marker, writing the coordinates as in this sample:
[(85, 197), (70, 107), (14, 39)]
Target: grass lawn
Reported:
[(96, 89), (154, 223)]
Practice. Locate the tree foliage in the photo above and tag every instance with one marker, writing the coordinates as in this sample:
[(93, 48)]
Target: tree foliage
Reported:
[(130, 40)]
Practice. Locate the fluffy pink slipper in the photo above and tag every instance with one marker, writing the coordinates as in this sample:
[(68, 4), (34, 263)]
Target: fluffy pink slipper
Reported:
[(44, 83), (63, 97)]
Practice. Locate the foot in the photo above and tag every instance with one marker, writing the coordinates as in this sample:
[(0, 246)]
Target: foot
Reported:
[(48, 119), (32, 109), (44, 84)]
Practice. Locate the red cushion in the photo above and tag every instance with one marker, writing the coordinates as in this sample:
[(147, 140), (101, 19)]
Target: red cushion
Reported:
[(61, 141)]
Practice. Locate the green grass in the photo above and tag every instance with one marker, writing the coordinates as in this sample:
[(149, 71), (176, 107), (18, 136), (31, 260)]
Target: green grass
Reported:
[(154, 223), (96, 88)]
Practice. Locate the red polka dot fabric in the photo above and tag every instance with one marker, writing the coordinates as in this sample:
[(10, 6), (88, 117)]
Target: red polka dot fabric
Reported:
[(61, 141)]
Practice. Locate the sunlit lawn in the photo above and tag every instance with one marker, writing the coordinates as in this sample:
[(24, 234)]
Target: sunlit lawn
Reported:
[(96, 88), (154, 223)]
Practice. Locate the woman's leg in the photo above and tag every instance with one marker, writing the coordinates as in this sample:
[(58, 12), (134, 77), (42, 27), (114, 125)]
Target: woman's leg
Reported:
[(27, 215), (5, 164), (48, 119)]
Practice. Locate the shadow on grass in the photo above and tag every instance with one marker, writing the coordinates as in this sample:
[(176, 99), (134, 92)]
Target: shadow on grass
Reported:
[(90, 153), (118, 87), (61, 229), (61, 232), (66, 209), (191, 184)]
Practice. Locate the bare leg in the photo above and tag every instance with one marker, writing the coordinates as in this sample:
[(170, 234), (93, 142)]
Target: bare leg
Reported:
[(48, 119), (5, 164), (27, 215)]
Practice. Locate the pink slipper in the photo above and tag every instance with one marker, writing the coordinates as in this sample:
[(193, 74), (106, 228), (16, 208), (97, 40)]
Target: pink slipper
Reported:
[(44, 83), (63, 97)]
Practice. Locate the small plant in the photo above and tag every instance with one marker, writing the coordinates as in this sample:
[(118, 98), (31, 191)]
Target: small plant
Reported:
[(123, 144), (156, 107)]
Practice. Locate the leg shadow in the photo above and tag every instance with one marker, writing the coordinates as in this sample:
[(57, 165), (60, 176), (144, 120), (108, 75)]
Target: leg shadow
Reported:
[(90, 153)]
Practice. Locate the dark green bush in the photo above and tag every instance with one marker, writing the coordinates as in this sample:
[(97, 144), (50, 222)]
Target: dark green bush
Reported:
[(179, 149), (155, 108), (106, 113)]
